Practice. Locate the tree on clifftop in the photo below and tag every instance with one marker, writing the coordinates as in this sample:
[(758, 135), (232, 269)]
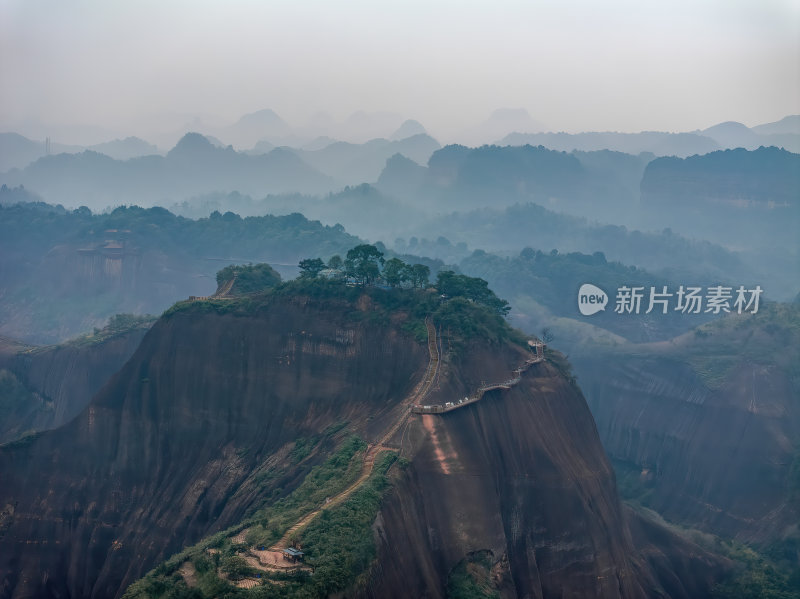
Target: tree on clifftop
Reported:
[(395, 272), (419, 274), (311, 267), (362, 263), (471, 288), (335, 262)]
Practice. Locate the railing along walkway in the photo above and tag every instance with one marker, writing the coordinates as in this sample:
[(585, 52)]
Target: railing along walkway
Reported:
[(481, 391)]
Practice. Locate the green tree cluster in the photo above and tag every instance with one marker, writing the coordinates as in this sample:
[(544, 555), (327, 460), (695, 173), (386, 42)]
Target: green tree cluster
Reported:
[(311, 267), (249, 278), (365, 265), (397, 273), (235, 567), (474, 289)]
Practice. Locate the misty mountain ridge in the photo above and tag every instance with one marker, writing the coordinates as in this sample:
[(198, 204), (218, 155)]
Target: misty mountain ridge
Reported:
[(359, 128), (788, 124), (618, 188), (132, 260), (263, 119), (352, 164), (500, 123), (507, 125), (460, 178), (400, 175), (606, 186), (730, 134), (192, 167), (251, 128), (503, 126), (17, 151), (125, 149), (767, 176), (84, 178), (656, 142)]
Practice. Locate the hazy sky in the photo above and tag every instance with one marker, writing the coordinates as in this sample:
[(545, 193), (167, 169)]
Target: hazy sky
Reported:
[(591, 65)]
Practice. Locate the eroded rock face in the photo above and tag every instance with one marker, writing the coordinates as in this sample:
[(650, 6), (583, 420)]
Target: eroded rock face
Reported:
[(162, 456), (61, 380), (522, 475), (166, 453), (717, 459)]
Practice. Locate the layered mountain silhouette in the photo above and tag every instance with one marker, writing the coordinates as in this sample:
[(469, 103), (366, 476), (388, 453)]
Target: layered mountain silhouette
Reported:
[(192, 167), (766, 176), (250, 128), (362, 163), (17, 151), (658, 143), (787, 125), (783, 134), (501, 122)]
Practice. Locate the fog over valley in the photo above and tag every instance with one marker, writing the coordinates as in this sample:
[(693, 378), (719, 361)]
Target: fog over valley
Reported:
[(348, 299)]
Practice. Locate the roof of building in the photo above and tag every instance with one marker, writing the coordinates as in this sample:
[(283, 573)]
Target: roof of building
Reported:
[(293, 551)]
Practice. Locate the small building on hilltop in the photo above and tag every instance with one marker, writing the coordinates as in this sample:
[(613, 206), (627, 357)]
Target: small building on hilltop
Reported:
[(292, 554)]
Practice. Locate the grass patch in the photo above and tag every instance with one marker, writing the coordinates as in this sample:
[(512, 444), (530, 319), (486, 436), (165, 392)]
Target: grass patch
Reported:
[(756, 577), (339, 543), (630, 484), (118, 325), (266, 526), (470, 579), (771, 336), (325, 480), (563, 366), (713, 370)]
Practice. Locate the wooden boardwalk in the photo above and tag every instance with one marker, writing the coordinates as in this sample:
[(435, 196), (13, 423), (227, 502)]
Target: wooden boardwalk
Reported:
[(538, 349), (412, 404)]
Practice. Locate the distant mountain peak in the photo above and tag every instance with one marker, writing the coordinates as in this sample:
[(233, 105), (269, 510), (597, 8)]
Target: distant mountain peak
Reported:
[(409, 128), (500, 123), (727, 125), (261, 118), (191, 143), (518, 119), (257, 126)]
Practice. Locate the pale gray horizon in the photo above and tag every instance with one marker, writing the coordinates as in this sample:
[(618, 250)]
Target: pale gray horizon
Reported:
[(100, 69)]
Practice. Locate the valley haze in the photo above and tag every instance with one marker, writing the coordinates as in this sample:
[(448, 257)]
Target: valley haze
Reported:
[(339, 299)]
